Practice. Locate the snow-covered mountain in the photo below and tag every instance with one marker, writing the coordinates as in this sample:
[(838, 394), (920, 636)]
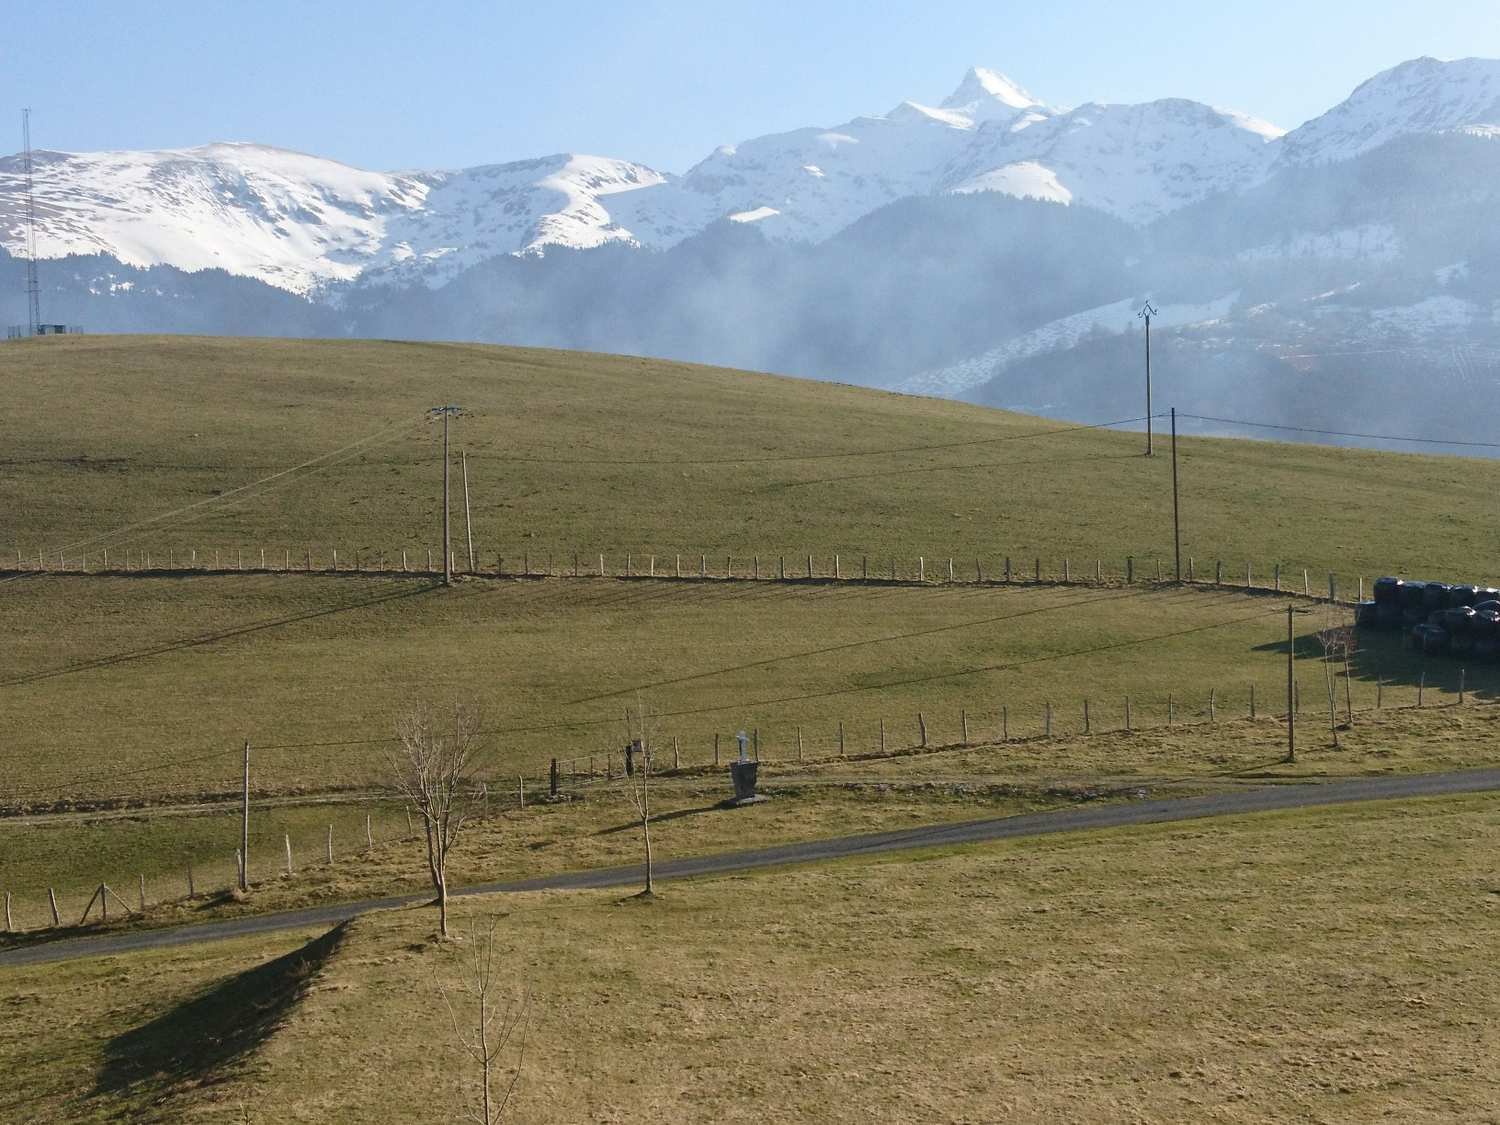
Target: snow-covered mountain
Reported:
[(302, 223)]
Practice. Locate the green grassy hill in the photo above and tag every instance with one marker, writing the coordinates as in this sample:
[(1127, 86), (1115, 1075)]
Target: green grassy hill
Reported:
[(583, 453)]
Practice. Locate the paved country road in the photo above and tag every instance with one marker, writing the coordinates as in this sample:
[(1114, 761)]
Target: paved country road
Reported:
[(1071, 819)]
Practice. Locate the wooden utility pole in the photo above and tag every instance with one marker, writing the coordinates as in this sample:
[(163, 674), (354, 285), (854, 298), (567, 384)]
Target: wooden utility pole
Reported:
[(1146, 313), (245, 824), (1176, 511), (1291, 691), (468, 525), (447, 412)]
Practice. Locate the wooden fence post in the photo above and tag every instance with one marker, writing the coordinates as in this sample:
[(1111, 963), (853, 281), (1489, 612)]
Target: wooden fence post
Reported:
[(755, 741), (921, 569), (521, 791), (1007, 569), (1461, 672), (1379, 690), (52, 902), (287, 839), (369, 836), (330, 844), (1086, 727), (963, 724), (1038, 575), (141, 889), (192, 890), (799, 742), (837, 569), (781, 567), (1127, 714), (1218, 572), (9, 927), (1171, 709), (1004, 722), (716, 748), (950, 568), (922, 729), (841, 738), (1276, 577), (1211, 714), (1098, 570), (1047, 720), (1129, 569), (1252, 701), (882, 736)]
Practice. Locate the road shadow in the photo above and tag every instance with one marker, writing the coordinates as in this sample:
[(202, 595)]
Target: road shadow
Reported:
[(197, 1041)]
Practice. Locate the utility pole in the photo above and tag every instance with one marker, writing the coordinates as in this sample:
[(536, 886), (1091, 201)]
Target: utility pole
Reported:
[(245, 825), (1291, 692), (446, 412), (1146, 313), (33, 287), (468, 524), (1176, 511)]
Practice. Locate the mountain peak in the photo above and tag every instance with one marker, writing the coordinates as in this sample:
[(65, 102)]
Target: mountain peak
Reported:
[(981, 86)]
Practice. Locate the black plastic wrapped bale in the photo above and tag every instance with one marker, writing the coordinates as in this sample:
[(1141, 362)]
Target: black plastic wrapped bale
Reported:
[(1388, 615), (1388, 590), (1487, 648), (1430, 638), (1434, 596), (1486, 623), (1484, 594), (1461, 595), (1366, 615), (1413, 595), (1487, 607), (1460, 644), (1459, 622)]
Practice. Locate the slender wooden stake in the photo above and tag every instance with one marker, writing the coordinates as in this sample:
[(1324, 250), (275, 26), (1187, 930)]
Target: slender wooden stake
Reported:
[(677, 566), (1212, 716), (728, 566), (9, 927), (1247, 576), (950, 569), (141, 887), (716, 748), (1038, 574), (702, 566), (809, 566), (921, 569), (882, 736), (837, 570), (330, 844), (1129, 569), (1098, 570), (1047, 722), (1005, 723), (755, 565), (1379, 691), (963, 723), (841, 738), (676, 754), (1252, 701), (1127, 714), (1461, 686), (287, 840), (52, 902), (1333, 722), (864, 568), (1218, 572), (521, 792), (781, 567), (651, 565), (409, 831), (1086, 729), (922, 728), (1067, 576), (1158, 569), (1306, 586), (978, 570), (1276, 577), (1171, 709), (192, 890), (1007, 569), (1348, 694), (601, 566), (799, 743), (370, 838), (755, 734)]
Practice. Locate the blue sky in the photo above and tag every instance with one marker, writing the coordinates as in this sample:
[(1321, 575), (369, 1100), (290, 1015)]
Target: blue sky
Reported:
[(401, 85)]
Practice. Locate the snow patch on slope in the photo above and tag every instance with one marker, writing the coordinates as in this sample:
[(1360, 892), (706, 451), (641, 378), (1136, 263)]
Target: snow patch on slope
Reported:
[(1057, 335)]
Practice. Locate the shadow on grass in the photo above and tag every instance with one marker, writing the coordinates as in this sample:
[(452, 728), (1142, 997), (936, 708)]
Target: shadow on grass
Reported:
[(656, 818), (197, 1041)]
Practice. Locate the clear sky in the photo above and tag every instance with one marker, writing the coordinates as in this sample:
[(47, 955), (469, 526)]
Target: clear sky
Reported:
[(393, 85)]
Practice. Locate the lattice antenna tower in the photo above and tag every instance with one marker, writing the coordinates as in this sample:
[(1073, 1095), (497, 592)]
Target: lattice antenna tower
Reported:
[(33, 287)]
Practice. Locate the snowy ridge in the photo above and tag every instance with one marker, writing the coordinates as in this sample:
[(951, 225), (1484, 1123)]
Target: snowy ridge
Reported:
[(306, 224)]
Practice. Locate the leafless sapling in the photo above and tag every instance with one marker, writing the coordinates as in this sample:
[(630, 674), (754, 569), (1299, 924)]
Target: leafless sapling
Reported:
[(489, 1026), (638, 785), (437, 755)]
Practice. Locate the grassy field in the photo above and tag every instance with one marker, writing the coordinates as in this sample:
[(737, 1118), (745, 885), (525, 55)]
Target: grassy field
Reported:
[(595, 826), (574, 452), (128, 686), (1331, 965)]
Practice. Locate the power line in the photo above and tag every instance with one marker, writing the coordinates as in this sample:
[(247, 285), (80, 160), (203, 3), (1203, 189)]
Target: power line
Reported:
[(797, 457), (1339, 433)]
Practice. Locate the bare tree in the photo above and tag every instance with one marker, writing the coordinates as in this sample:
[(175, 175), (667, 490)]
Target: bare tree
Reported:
[(490, 1026), (638, 785), (435, 761)]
